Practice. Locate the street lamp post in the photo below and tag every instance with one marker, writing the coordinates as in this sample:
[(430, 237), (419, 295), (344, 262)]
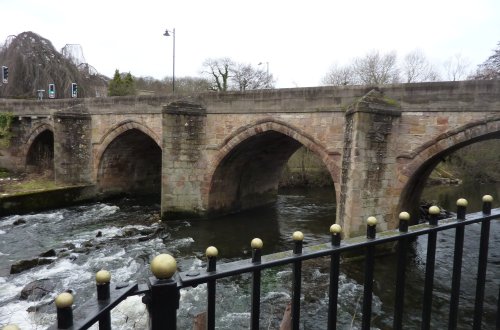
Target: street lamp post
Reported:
[(267, 72), (167, 34)]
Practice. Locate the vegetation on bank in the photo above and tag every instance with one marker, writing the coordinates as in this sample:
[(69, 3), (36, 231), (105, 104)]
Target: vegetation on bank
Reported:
[(5, 125), (11, 184)]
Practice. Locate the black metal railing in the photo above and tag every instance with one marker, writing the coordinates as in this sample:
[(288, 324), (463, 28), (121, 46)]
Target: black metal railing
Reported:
[(162, 292)]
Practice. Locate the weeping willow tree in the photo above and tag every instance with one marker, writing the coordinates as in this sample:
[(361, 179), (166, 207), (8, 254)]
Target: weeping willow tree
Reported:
[(34, 63)]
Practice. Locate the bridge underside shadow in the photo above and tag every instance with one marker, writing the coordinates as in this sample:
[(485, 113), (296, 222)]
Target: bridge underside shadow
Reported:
[(40, 155), (248, 176), (131, 164), (411, 194)]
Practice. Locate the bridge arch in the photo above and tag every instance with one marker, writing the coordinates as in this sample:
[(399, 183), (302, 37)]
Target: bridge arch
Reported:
[(415, 167), (39, 149), (128, 160), (246, 169)]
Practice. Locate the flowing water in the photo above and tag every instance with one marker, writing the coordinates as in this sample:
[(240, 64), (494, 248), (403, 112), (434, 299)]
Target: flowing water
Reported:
[(123, 236)]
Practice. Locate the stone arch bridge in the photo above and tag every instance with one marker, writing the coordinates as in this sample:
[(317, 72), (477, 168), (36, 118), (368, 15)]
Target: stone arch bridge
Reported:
[(216, 153)]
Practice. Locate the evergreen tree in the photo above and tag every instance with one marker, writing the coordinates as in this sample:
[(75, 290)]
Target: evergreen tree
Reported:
[(129, 85), (115, 87)]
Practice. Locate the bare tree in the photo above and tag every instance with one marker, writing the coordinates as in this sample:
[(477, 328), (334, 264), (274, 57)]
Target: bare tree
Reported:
[(376, 69), (489, 69), (416, 68), (246, 77), (340, 76), (218, 71), (457, 67)]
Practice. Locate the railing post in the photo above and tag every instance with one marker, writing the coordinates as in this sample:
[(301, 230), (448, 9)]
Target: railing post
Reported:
[(102, 279), (256, 245), (404, 217), (336, 232), (371, 230), (482, 263), (298, 239), (434, 212), (164, 293), (457, 264), (211, 254), (64, 305)]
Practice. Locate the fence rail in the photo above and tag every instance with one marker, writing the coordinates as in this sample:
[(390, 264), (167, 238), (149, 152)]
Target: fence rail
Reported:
[(162, 292)]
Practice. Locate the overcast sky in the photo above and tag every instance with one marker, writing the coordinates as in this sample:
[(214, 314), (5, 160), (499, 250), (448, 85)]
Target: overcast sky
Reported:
[(300, 40)]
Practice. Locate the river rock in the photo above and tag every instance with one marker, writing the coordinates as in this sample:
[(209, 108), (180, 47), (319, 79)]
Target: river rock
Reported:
[(37, 289), (19, 221), (22, 265), (49, 253)]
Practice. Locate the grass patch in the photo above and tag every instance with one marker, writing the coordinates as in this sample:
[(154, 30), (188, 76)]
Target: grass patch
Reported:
[(14, 185)]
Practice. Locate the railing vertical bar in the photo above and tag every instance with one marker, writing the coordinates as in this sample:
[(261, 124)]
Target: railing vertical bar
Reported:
[(368, 283), (498, 309), (164, 293), (334, 278), (404, 217), (103, 278), (429, 269), (457, 265), (255, 314), (256, 278), (481, 273), (297, 280), (211, 285), (211, 254)]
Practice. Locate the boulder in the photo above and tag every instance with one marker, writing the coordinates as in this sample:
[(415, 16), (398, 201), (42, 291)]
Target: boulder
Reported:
[(19, 221), (22, 265), (37, 289), (49, 253)]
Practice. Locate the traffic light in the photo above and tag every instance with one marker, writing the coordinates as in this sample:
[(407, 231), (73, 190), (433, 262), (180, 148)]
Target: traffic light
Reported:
[(5, 74), (52, 91), (74, 90)]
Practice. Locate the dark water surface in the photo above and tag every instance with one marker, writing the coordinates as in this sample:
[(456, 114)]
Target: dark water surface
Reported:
[(130, 237)]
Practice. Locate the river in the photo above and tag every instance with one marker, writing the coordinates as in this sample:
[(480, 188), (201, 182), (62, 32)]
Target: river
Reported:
[(122, 236)]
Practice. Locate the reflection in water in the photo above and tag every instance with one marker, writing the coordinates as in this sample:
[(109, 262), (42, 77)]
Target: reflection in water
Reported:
[(446, 196)]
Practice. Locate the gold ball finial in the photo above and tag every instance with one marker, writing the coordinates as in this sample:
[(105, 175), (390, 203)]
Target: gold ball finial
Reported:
[(163, 266), (256, 243), (298, 236), (488, 198), (404, 216), (462, 202), (212, 252), (371, 221), (335, 229), (102, 277), (11, 327), (64, 300), (434, 210)]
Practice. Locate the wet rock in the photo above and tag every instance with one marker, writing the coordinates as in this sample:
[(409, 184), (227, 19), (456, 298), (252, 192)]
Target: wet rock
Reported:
[(69, 246), (99, 234), (128, 232), (88, 244), (82, 250), (49, 253), (41, 308), (19, 221), (37, 289), (22, 265)]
